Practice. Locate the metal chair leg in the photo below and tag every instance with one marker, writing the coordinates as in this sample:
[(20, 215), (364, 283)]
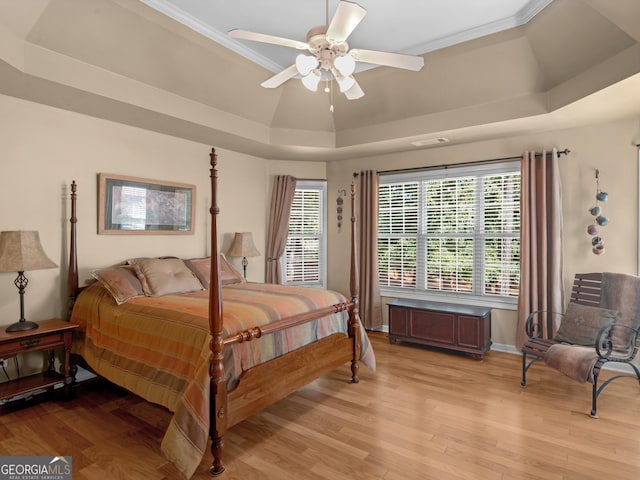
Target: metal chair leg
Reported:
[(594, 396), (523, 383)]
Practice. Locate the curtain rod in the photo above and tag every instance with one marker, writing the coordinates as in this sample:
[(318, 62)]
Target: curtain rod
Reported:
[(566, 151)]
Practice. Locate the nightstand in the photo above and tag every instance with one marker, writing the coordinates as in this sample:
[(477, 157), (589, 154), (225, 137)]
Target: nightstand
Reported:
[(49, 335)]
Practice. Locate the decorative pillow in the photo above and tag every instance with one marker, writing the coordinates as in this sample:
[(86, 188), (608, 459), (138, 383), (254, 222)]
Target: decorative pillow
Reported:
[(228, 273), (581, 323), (164, 276), (201, 267), (120, 281)]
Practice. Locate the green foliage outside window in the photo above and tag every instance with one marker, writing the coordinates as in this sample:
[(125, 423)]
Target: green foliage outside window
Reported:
[(457, 234)]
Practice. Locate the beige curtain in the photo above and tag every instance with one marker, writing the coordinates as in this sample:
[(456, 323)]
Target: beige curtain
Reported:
[(370, 302), (541, 276), (284, 188)]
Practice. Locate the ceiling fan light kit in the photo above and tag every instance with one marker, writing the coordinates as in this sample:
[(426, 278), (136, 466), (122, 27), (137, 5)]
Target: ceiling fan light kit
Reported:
[(312, 80), (306, 64), (346, 65), (345, 83), (330, 57)]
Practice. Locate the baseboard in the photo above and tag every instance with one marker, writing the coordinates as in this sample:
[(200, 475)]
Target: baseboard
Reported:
[(382, 328), (503, 347), (506, 348), (83, 374)]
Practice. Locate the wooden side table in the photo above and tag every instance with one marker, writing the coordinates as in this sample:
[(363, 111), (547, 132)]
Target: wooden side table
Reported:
[(49, 335)]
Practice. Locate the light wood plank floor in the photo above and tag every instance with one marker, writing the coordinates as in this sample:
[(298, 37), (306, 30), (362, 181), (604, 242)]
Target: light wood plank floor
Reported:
[(423, 414)]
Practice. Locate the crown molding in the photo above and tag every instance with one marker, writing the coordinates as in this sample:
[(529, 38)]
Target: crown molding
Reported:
[(208, 31), (520, 18)]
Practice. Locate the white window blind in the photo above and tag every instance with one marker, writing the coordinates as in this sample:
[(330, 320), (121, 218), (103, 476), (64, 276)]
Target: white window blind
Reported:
[(451, 233), (305, 252), (397, 234)]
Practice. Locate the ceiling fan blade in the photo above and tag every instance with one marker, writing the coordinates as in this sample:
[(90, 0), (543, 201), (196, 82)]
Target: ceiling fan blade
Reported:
[(279, 78), (264, 38), (397, 60), (347, 17), (354, 92)]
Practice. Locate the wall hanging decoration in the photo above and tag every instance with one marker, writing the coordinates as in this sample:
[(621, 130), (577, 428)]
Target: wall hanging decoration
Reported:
[(597, 243), (130, 205), (339, 202)]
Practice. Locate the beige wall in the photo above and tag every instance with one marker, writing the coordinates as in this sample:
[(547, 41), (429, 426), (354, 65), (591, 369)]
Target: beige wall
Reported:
[(608, 147), (42, 149)]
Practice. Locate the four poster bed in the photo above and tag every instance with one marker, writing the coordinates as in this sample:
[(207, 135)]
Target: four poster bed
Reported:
[(213, 363)]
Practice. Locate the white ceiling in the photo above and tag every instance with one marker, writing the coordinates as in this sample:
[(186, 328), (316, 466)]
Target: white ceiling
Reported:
[(403, 26)]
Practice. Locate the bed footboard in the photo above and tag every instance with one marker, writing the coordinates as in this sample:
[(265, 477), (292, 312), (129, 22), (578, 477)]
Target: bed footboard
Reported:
[(278, 378)]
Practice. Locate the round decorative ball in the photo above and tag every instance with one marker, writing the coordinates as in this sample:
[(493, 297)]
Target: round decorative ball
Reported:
[(595, 211), (597, 241), (602, 220), (602, 196), (592, 230), (598, 249)]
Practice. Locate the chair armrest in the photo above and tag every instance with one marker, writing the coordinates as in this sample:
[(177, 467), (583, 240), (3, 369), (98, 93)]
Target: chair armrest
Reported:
[(532, 323), (611, 348)]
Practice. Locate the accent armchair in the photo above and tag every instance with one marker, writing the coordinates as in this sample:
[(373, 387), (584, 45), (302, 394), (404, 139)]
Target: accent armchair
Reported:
[(601, 325)]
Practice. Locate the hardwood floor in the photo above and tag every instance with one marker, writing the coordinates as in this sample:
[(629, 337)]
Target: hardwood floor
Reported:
[(423, 414)]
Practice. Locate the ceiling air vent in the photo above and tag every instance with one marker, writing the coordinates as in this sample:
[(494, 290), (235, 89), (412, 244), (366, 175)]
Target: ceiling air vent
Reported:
[(430, 141)]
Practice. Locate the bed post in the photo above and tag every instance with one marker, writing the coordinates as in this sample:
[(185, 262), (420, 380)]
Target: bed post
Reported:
[(72, 275), (354, 312), (218, 393)]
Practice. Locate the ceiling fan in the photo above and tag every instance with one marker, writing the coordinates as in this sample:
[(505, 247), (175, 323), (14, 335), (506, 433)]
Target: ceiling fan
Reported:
[(330, 54)]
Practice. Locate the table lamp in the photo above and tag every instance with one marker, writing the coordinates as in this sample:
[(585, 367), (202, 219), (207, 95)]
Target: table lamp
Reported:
[(21, 251), (243, 246)]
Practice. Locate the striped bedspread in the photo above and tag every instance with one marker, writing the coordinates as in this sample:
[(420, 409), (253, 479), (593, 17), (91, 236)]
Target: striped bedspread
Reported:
[(158, 347)]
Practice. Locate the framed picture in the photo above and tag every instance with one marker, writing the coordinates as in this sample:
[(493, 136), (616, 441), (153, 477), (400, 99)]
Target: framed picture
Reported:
[(130, 205)]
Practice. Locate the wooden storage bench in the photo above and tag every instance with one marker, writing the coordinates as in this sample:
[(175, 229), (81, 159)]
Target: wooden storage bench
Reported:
[(460, 328)]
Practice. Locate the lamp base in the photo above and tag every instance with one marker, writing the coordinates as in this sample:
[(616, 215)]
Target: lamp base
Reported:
[(21, 326)]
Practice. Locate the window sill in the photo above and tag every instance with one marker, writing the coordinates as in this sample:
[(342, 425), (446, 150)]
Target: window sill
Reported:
[(302, 284), (498, 303)]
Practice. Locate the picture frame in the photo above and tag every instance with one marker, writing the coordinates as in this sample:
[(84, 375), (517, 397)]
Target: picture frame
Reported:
[(132, 205)]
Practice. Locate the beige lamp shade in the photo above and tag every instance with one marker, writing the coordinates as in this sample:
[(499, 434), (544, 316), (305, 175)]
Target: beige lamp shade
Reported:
[(21, 251), (243, 246)]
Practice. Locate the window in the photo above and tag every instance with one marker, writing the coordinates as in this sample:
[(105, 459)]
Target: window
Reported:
[(451, 233), (305, 252)]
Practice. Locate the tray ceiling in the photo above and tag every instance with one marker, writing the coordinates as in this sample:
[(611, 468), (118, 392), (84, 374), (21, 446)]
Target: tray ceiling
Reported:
[(404, 26), (522, 67)]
